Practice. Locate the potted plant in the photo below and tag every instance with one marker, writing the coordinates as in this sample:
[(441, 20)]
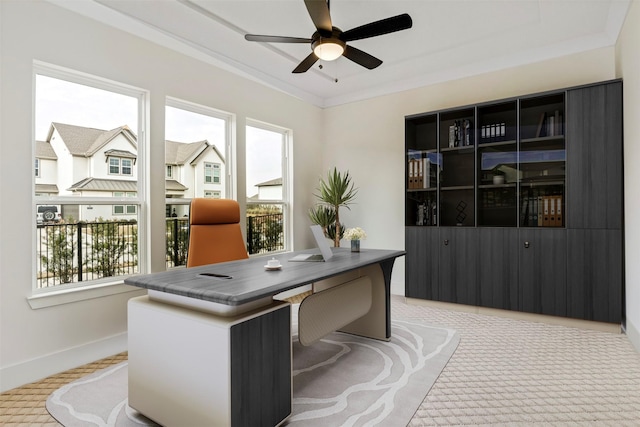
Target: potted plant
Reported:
[(334, 192), (498, 175)]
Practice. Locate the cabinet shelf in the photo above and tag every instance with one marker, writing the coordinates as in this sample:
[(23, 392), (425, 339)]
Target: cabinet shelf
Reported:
[(457, 187), (493, 186), (496, 143), (463, 149), (421, 190)]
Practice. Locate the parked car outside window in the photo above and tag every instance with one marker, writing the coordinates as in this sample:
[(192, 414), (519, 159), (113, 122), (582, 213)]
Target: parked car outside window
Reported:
[(47, 215)]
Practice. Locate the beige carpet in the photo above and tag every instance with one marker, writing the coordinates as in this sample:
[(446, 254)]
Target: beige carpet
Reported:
[(503, 372), (510, 372)]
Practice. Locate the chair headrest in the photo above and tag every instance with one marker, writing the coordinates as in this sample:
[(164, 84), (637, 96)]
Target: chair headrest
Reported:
[(214, 211)]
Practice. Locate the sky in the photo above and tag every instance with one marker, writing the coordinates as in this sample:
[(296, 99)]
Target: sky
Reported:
[(75, 104)]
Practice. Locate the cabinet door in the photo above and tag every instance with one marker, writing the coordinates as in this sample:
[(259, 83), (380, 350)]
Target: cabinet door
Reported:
[(421, 262), (543, 271), (498, 268), (458, 265), (594, 153), (594, 279)]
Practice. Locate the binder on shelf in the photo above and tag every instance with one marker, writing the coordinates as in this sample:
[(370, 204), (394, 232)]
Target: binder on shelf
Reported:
[(558, 211), (524, 214), (552, 209), (428, 174), (540, 215), (420, 174), (412, 173), (533, 217), (546, 212)]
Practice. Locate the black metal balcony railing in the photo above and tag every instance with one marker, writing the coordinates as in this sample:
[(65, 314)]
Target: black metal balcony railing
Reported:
[(68, 253), (264, 233), (76, 252)]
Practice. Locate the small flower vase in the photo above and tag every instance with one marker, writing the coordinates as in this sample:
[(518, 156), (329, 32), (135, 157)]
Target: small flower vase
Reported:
[(355, 246)]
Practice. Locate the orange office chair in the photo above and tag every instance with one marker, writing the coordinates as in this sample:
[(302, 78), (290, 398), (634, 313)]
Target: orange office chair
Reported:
[(214, 232)]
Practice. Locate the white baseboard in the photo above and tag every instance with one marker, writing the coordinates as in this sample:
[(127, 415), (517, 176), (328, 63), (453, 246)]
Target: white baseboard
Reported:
[(36, 369), (633, 334)]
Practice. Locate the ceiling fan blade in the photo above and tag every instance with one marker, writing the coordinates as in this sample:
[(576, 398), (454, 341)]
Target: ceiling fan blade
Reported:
[(306, 63), (319, 13), (378, 28), (361, 58), (275, 39)]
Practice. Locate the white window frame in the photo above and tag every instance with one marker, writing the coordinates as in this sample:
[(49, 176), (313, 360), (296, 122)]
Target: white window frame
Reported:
[(287, 172), (120, 166), (214, 172), (37, 167), (230, 150), (215, 194), (79, 291), (126, 209), (168, 171)]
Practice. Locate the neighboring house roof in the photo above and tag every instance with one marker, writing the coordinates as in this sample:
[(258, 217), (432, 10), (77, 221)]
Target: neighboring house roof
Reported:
[(97, 184), (270, 183), (120, 153), (214, 148), (173, 185), (46, 188), (178, 153), (83, 141), (44, 150)]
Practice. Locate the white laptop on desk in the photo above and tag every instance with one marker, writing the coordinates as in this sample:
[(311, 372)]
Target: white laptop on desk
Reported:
[(325, 251)]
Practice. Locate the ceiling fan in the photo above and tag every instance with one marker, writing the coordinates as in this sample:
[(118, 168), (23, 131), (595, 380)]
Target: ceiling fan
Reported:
[(329, 42)]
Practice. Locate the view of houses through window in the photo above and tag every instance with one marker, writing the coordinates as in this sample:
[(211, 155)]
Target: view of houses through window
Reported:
[(267, 200), (86, 178), (87, 153), (195, 160)]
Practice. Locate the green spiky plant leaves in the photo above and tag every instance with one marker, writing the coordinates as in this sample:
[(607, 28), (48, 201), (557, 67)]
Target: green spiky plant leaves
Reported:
[(334, 192)]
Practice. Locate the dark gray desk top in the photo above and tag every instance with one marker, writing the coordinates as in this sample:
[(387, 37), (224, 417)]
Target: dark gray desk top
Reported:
[(250, 281)]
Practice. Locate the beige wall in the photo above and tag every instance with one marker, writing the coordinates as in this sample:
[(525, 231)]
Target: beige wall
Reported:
[(628, 68), (38, 342), (367, 138)]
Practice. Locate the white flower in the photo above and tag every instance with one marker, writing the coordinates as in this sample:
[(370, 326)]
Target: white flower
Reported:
[(356, 233)]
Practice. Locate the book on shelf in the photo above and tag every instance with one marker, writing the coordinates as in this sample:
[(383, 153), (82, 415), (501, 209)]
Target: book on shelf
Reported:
[(540, 130), (460, 133), (550, 124)]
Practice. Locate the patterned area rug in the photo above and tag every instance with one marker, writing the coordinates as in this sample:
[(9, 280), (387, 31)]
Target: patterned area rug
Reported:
[(341, 380)]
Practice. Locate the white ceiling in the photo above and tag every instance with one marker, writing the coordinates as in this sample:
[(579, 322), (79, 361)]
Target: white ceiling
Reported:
[(449, 38)]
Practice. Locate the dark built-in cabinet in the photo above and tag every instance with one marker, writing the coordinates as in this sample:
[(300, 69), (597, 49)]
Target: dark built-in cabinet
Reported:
[(517, 204)]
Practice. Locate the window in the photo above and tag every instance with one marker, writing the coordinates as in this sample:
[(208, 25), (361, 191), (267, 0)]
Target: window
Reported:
[(37, 166), (85, 234), (198, 146), (212, 173), (118, 166), (267, 176), (124, 209)]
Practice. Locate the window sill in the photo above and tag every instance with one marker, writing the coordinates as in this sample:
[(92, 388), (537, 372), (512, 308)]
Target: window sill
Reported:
[(66, 296)]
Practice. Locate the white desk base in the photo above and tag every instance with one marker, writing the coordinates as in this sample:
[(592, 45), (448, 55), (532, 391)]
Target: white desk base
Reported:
[(191, 368)]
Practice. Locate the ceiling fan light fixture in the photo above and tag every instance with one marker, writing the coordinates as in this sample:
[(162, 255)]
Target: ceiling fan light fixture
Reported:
[(329, 49)]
